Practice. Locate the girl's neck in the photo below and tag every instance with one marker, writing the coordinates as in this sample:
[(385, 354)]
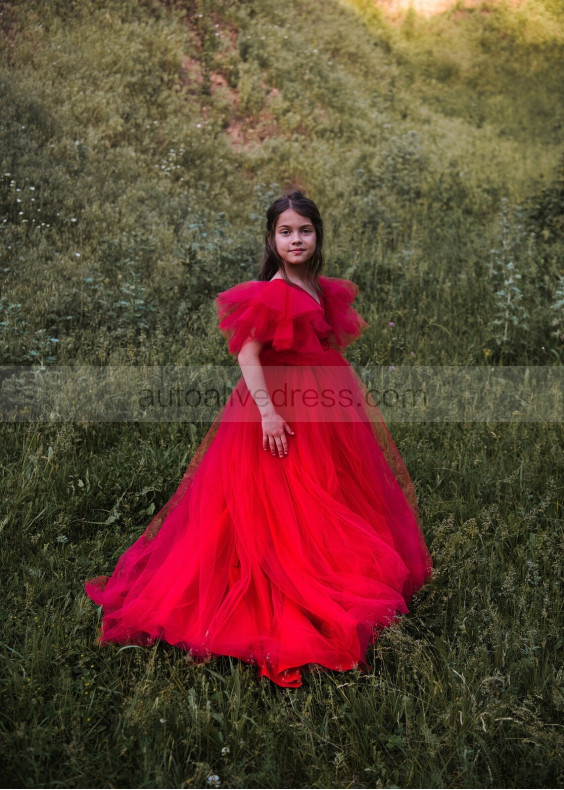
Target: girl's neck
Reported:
[(297, 275)]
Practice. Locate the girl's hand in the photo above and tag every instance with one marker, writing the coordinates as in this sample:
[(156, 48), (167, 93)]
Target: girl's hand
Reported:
[(274, 430), (274, 427)]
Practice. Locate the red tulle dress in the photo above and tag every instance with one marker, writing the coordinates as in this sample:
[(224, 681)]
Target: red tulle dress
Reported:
[(281, 562)]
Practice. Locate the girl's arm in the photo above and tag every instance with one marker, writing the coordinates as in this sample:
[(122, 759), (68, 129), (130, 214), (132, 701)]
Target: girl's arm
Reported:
[(274, 427)]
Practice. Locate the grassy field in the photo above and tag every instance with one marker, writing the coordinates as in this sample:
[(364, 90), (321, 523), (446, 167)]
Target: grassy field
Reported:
[(140, 144)]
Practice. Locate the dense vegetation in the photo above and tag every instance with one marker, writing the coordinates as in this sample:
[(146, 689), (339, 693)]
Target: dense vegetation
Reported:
[(140, 143)]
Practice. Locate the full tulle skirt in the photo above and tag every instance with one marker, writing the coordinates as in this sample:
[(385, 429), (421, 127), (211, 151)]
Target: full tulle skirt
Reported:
[(280, 562)]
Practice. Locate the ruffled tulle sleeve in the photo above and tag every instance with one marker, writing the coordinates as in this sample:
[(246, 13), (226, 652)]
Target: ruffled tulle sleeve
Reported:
[(346, 324), (271, 312)]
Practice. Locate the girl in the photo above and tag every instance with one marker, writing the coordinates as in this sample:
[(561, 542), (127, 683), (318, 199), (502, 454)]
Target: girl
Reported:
[(294, 535)]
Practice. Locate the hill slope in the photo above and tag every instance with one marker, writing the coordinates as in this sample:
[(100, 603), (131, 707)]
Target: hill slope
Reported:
[(141, 142)]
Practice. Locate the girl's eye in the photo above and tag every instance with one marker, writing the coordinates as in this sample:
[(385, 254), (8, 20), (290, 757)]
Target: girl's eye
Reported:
[(285, 231)]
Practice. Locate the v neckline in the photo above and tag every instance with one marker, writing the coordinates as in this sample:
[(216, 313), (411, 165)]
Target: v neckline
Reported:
[(299, 287)]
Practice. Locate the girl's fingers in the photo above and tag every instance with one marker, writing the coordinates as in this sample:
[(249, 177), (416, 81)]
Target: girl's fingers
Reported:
[(278, 444), (275, 439), (271, 444)]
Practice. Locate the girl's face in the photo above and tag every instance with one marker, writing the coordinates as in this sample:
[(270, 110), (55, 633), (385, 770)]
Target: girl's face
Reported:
[(295, 238)]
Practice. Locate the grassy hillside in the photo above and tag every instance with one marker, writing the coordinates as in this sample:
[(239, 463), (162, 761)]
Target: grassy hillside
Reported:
[(131, 130), (140, 144)]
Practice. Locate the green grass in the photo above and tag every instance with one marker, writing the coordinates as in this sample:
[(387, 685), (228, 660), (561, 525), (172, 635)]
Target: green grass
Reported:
[(142, 143), (465, 691)]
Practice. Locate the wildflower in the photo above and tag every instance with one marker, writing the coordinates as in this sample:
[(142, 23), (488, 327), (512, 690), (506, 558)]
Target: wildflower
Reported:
[(392, 323), (213, 781)]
